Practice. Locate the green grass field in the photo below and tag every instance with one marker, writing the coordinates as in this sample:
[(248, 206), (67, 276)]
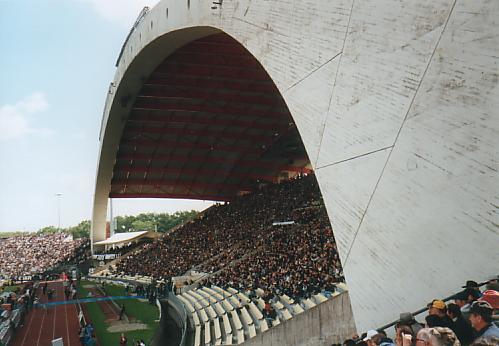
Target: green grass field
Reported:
[(140, 312)]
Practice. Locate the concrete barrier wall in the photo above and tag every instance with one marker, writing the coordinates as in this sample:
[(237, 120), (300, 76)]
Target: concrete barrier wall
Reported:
[(327, 323)]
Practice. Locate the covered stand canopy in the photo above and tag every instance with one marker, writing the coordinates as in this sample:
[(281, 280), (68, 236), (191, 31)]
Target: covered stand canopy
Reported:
[(120, 239)]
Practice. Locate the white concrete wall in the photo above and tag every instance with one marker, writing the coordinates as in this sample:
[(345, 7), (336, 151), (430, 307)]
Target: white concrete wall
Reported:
[(397, 103), (325, 324)]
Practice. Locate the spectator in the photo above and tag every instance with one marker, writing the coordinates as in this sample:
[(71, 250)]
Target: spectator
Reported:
[(123, 340), (492, 341), (403, 335), (441, 336), (369, 337), (481, 320), (241, 243), (382, 340), (423, 337), (35, 254), (460, 326), (491, 297), (437, 314)]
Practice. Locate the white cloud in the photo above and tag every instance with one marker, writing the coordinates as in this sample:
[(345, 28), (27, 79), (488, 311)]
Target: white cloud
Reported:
[(123, 12), (14, 119)]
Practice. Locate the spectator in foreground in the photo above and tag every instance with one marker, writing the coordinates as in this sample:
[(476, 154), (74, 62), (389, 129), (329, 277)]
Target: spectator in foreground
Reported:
[(380, 339), (403, 335), (481, 320), (486, 342), (460, 326), (423, 337), (437, 315), (440, 336)]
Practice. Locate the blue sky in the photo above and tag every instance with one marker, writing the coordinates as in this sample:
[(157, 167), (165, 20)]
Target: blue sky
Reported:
[(57, 60)]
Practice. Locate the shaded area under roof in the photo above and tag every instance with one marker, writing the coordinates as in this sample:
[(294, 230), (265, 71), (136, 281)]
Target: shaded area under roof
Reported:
[(208, 123)]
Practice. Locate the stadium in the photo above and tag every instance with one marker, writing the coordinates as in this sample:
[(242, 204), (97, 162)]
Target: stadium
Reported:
[(352, 152)]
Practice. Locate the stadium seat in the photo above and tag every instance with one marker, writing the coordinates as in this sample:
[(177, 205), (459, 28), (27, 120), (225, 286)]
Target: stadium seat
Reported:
[(195, 318), (240, 336), (264, 326), (278, 305), (190, 298), (207, 334), (227, 327), (261, 303), (252, 331), (287, 300), (186, 303), (286, 314), (203, 316), (202, 300), (232, 290), (197, 336), (197, 306), (255, 312), (219, 309), (245, 317), (228, 339), (211, 313), (276, 322), (217, 330), (227, 306), (236, 322), (342, 286), (213, 293), (243, 298), (220, 291), (297, 309), (308, 303), (234, 301), (320, 298), (211, 299)]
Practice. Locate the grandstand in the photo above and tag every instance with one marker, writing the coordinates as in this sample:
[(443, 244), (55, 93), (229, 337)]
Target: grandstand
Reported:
[(244, 267), (36, 254)]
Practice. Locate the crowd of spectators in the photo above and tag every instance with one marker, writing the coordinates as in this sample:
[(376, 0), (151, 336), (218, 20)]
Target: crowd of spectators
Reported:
[(471, 318), (35, 254), (298, 260), (244, 243)]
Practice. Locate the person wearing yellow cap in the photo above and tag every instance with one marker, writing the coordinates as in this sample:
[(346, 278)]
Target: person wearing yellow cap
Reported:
[(437, 315)]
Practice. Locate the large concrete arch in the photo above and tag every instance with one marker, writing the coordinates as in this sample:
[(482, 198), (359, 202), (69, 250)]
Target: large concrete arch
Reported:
[(397, 105)]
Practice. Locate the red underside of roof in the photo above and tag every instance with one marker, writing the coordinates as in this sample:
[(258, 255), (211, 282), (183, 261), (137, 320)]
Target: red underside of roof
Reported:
[(206, 125)]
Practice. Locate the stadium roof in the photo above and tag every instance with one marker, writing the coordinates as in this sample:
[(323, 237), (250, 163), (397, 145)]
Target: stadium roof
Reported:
[(208, 123), (127, 237)]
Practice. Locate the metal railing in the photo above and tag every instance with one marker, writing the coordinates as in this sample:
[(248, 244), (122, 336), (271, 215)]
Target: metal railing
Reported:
[(420, 311)]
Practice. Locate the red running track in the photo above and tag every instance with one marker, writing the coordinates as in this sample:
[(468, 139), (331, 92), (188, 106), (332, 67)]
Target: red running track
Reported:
[(41, 325)]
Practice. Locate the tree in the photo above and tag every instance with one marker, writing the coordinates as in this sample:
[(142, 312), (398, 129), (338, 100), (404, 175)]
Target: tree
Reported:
[(162, 222), (82, 230), (48, 230), (140, 225)]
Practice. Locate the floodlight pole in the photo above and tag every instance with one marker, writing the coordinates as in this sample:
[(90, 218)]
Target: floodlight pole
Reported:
[(58, 195)]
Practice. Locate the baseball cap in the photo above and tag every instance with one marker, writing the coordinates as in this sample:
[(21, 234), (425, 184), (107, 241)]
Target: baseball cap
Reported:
[(491, 297), (437, 304), (481, 308)]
